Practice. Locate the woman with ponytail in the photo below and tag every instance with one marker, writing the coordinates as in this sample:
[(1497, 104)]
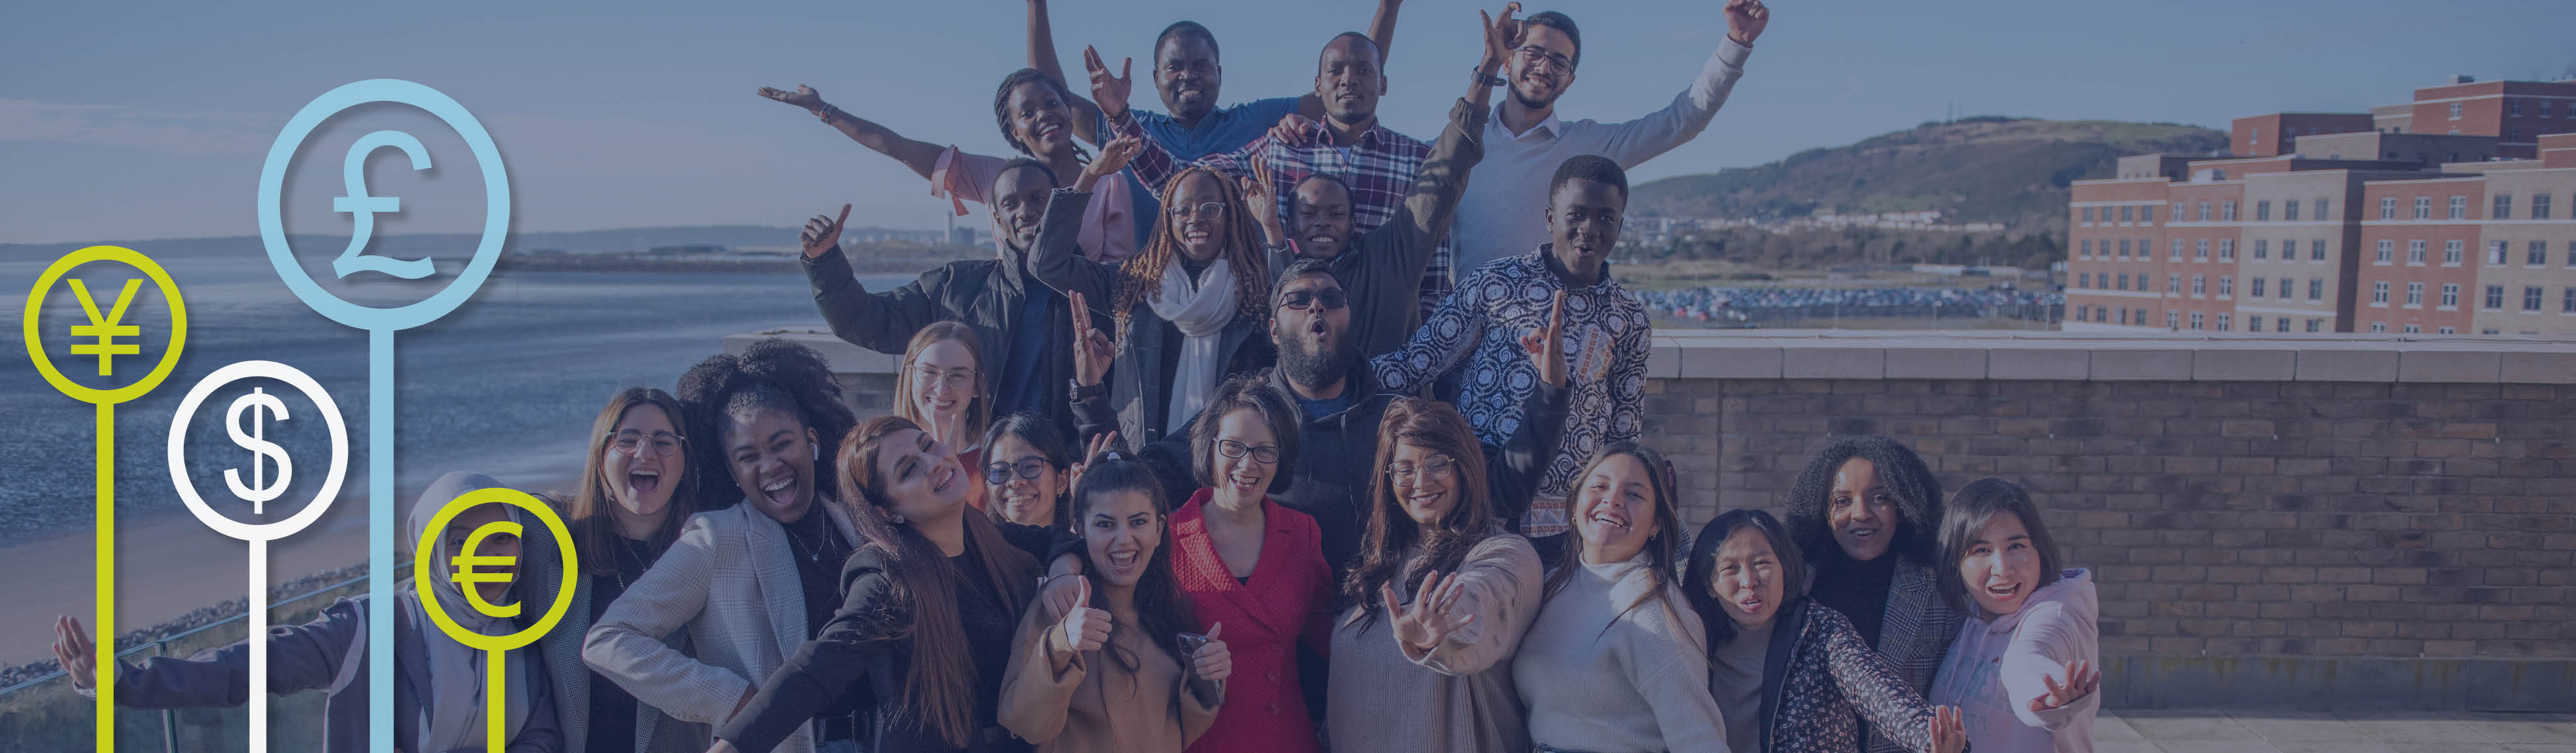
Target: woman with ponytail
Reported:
[(927, 611)]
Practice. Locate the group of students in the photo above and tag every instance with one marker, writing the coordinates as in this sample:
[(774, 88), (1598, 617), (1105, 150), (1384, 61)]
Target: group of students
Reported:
[(1215, 457)]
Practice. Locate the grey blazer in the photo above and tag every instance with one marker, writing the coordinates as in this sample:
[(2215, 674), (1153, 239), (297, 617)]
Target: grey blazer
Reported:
[(655, 732), (730, 581)]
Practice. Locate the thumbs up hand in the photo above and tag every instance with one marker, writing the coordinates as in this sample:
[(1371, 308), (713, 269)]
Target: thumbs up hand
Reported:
[(1212, 662), (1083, 628)]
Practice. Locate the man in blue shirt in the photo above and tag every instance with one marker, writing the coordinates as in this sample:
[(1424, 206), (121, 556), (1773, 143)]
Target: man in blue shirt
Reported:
[(1187, 75)]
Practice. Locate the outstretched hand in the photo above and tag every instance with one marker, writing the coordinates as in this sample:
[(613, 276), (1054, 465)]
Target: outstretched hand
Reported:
[(1092, 350), (2081, 680), (1745, 20), (1107, 91), (78, 655), (1546, 345), (1113, 157), (1949, 730), (1261, 195), (1432, 617), (804, 96), (823, 233)]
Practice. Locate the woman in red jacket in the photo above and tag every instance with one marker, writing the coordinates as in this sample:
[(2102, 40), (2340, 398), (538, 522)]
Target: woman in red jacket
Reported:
[(1253, 565)]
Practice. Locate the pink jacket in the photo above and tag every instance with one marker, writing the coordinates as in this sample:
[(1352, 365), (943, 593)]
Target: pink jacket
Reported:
[(1994, 671)]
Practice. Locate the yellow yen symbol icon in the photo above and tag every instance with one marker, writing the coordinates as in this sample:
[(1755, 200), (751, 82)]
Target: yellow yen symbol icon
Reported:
[(106, 328)]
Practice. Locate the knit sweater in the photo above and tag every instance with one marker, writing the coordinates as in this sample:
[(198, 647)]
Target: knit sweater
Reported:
[(1597, 676), (1457, 697)]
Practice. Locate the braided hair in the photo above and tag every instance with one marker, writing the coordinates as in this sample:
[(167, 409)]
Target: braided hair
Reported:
[(774, 374), (1002, 109), (1142, 276)]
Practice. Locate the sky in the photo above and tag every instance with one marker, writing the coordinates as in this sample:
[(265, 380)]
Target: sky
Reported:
[(142, 121)]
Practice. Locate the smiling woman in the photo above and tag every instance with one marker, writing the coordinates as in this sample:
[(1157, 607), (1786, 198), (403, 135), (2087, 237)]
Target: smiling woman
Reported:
[(2023, 668), (1864, 511)]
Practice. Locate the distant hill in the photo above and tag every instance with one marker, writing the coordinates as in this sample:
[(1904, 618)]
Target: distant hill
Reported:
[(577, 242), (1982, 169)]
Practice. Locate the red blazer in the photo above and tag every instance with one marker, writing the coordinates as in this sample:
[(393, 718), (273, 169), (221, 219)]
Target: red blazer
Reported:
[(1285, 601)]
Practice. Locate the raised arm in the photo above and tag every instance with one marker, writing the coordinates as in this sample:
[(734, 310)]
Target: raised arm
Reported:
[(1404, 246), (316, 655), (1639, 140), (1872, 685), (1445, 338), (882, 322), (1086, 116), (2048, 667), (921, 156), (1472, 618), (1059, 262), (1513, 471), (626, 645)]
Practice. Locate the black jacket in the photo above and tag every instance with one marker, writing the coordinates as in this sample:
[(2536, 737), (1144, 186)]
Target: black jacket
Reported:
[(1138, 386), (1381, 269), (988, 295)]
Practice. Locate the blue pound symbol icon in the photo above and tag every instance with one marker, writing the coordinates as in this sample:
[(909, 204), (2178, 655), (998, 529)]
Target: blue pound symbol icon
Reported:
[(362, 208)]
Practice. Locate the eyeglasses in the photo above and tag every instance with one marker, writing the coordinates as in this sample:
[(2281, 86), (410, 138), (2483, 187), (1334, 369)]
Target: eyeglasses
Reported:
[(1436, 468), (637, 443), (954, 379), (1300, 300), (1266, 454), (1185, 212), (1028, 467), (1534, 55)]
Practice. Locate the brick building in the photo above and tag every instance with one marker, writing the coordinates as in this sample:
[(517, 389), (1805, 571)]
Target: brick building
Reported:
[(2516, 112), (2275, 133)]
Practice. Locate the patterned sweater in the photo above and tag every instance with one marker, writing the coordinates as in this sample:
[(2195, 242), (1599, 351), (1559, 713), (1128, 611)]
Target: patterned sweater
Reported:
[(1820, 680), (1481, 323)]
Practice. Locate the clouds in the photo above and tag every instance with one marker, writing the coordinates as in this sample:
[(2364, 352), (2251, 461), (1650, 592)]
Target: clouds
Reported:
[(177, 132)]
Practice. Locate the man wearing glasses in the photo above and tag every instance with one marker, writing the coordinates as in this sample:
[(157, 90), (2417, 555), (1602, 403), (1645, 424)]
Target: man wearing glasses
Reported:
[(1525, 140)]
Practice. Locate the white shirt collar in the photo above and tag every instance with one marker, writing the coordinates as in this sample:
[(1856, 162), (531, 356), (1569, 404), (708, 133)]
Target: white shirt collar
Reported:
[(1549, 129)]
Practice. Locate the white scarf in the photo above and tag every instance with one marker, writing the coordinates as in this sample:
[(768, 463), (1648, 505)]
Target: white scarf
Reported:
[(1201, 312), (453, 717)]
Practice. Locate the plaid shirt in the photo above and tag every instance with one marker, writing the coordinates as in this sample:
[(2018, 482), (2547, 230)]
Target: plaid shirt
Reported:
[(1380, 169)]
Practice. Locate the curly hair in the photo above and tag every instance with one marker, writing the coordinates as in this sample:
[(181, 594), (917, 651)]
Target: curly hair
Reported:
[(1435, 427), (1142, 277), (774, 374), (1002, 109), (1917, 493)]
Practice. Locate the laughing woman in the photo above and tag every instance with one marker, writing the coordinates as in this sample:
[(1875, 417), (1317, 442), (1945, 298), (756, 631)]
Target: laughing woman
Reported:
[(941, 389), (1028, 467), (1190, 309), (926, 611), (1615, 662), (1034, 113), (1865, 512), (2023, 668), (754, 580), (1792, 675), (1118, 674)]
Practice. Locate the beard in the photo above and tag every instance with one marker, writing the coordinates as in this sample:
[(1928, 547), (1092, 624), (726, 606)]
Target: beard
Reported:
[(1310, 369), (1535, 103)]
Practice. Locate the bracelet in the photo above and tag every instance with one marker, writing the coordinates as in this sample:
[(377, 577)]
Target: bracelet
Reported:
[(1488, 79), (828, 112), (1043, 580)]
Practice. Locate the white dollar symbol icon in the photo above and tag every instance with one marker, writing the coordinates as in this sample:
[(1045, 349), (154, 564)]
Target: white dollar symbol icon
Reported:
[(259, 491)]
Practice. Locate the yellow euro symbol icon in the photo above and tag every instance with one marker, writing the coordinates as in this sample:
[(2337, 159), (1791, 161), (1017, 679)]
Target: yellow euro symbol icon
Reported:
[(495, 647)]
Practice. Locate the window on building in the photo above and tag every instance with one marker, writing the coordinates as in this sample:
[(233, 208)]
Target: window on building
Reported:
[(2204, 211), (2177, 249), (2262, 249), (2451, 252), (2415, 252), (2317, 250), (2283, 325), (2495, 253), (2495, 298), (2571, 245), (2513, 134), (2177, 211), (2286, 292), (2531, 299), (2378, 327), (2084, 249), (2513, 107), (2567, 304), (2222, 321), (2173, 320), (2379, 293), (2125, 212), (2227, 211), (2388, 208), (2455, 111), (2257, 290), (2423, 207), (2173, 284), (2083, 280), (2226, 249), (2414, 328), (2263, 211), (2537, 255), (2124, 316), (2200, 249), (2415, 295), (2199, 285), (2450, 295), (2503, 207), (2487, 331), (2387, 250), (2449, 330), (2321, 213), (2124, 248), (2145, 246), (2544, 108), (2088, 215), (2226, 286), (2124, 281), (2312, 324), (2253, 323), (2540, 206), (2195, 320), (2316, 290), (2459, 208)]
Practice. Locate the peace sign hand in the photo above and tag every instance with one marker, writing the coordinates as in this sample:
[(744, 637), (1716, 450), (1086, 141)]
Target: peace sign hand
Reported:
[(1082, 628), (1090, 454), (2081, 679), (823, 233), (1261, 195), (1949, 730), (1092, 350), (1213, 662), (1432, 617), (1546, 345), (78, 655), (1107, 91), (1745, 20)]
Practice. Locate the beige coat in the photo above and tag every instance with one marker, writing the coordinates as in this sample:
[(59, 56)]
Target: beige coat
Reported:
[(1459, 696), (1092, 704)]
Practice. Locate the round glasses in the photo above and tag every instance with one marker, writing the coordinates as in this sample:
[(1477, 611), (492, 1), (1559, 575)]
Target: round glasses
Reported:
[(1434, 468), (1028, 467), (638, 444), (1266, 454)]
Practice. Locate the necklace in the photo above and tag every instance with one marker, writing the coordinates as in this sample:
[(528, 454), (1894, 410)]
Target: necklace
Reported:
[(813, 549)]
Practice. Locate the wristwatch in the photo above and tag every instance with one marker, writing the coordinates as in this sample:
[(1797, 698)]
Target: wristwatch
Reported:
[(1488, 79), (1081, 393)]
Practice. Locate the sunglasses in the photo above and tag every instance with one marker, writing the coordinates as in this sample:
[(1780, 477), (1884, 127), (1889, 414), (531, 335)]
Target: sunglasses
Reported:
[(1300, 300)]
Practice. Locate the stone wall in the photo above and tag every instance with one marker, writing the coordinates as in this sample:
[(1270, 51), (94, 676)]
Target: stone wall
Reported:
[(2334, 521)]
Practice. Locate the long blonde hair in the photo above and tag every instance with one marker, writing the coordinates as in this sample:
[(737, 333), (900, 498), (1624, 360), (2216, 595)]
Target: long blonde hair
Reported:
[(979, 409), (1142, 276)]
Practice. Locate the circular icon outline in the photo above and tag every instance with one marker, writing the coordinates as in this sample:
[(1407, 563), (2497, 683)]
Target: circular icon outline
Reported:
[(160, 280), (337, 471), (421, 573), (496, 211)]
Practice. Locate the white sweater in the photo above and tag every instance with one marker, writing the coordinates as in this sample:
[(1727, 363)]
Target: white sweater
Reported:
[(1638, 686)]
